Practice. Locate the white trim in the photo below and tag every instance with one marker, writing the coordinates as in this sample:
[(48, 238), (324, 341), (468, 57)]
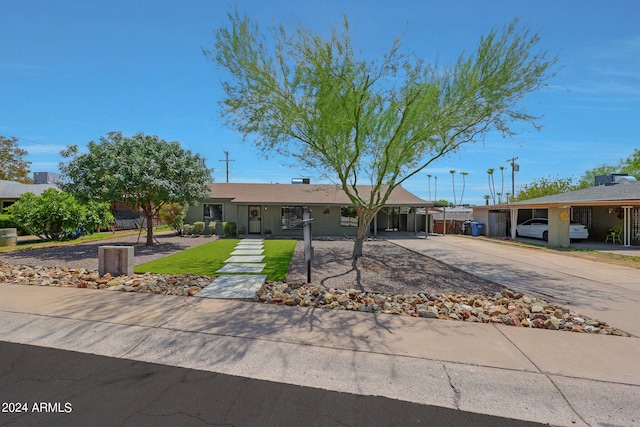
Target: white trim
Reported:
[(626, 221), (514, 220)]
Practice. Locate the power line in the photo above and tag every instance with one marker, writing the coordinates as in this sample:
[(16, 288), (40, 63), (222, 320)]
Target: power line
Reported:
[(226, 160)]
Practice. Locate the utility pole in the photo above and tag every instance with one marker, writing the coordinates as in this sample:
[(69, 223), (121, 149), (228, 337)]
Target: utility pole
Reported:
[(514, 168), (226, 160)]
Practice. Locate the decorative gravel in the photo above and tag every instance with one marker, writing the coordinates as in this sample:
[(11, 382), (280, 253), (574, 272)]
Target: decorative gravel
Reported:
[(389, 279)]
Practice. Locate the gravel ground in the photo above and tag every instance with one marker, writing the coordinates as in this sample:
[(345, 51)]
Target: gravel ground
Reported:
[(388, 279), (85, 255), (384, 268)]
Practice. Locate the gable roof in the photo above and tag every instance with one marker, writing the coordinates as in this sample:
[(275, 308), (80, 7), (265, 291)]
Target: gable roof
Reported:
[(624, 192), (13, 190), (304, 194)]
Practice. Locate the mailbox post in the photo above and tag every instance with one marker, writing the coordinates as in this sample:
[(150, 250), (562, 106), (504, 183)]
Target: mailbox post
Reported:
[(308, 249)]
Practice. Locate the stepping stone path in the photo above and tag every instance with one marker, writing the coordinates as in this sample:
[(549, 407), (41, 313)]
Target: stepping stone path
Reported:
[(246, 258)]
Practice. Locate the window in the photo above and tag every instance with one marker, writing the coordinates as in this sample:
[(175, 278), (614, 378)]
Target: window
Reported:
[(5, 205), (292, 217), (582, 215), (212, 212), (348, 216)]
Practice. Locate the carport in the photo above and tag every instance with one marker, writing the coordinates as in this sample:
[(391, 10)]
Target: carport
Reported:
[(599, 208)]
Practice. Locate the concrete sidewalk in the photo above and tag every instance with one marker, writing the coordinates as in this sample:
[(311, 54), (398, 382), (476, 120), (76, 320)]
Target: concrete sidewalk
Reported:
[(553, 377), (602, 291)]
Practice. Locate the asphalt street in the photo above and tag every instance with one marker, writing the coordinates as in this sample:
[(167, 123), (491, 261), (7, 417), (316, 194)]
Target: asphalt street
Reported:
[(45, 386)]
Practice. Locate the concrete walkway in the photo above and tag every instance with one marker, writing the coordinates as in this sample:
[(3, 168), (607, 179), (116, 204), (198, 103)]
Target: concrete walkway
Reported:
[(552, 377), (234, 283), (603, 291)]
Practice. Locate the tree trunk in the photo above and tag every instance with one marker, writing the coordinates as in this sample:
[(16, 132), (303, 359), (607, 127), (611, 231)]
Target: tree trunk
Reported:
[(149, 230), (359, 242)]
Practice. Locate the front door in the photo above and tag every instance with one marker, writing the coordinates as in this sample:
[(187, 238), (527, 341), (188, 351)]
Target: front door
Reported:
[(255, 220)]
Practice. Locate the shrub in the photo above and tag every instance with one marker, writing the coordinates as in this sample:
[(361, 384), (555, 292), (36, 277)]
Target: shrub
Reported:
[(187, 229), (97, 216), (173, 214), (7, 222), (57, 215), (198, 227), (229, 228)]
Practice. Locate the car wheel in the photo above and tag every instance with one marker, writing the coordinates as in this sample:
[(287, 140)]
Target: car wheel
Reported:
[(545, 236)]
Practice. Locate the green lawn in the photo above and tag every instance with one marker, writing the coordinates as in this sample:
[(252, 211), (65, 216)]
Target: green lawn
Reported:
[(205, 260)]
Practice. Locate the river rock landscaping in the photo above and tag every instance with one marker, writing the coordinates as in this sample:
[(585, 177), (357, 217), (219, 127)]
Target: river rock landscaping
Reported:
[(506, 307), (388, 280), (162, 284)]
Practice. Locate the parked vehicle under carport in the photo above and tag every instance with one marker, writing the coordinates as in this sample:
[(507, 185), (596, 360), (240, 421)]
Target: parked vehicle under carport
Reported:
[(539, 229)]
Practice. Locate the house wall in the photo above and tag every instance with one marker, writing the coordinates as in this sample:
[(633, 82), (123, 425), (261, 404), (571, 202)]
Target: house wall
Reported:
[(482, 216), (497, 224), (603, 221), (326, 219)]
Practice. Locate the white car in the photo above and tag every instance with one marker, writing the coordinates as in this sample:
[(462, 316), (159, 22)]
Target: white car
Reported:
[(539, 228)]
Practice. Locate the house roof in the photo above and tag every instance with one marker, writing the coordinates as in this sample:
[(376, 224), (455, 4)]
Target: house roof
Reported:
[(625, 192), (11, 190), (304, 194)]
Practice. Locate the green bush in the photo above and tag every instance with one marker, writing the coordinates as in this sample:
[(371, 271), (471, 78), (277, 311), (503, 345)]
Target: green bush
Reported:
[(230, 228), (57, 215), (173, 214), (198, 227), (187, 229), (7, 222)]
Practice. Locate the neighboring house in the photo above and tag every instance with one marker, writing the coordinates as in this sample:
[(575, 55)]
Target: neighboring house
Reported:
[(10, 191), (614, 203), (278, 208)]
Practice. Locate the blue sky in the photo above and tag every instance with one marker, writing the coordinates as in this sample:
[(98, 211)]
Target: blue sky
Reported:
[(71, 71)]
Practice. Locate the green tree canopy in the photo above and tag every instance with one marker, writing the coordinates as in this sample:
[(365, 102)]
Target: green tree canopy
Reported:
[(544, 187), (143, 170), (12, 165), (374, 122), (630, 166), (57, 215)]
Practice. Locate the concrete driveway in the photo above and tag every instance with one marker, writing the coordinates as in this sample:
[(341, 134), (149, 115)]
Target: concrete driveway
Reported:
[(603, 291)]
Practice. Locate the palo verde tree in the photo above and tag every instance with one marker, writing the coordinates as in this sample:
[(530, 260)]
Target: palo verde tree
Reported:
[(143, 170), (13, 167), (376, 122)]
